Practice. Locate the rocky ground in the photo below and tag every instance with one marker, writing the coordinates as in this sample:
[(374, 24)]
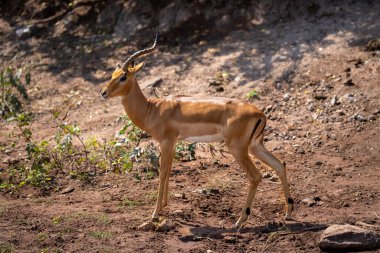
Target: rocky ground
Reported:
[(314, 77)]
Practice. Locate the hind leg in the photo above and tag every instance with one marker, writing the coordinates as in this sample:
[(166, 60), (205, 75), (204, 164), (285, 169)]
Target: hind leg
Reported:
[(258, 150), (254, 176)]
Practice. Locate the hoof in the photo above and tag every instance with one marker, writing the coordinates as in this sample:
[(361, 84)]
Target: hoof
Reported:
[(155, 218), (240, 223)]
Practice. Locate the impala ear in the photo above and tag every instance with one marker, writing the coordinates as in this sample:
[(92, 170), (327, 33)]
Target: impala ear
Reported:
[(137, 68)]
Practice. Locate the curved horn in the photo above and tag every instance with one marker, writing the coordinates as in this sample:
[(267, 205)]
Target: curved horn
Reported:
[(138, 54)]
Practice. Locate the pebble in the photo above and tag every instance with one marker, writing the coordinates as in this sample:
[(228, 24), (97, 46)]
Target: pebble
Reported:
[(230, 239), (180, 195), (200, 191), (334, 100), (341, 112), (319, 163), (371, 117), (178, 211), (308, 201), (286, 97), (349, 82), (273, 178), (301, 151), (347, 98), (359, 117), (319, 95), (24, 32), (67, 190), (267, 175), (268, 108)]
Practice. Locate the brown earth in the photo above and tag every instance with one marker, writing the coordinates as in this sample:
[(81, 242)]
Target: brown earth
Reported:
[(296, 65)]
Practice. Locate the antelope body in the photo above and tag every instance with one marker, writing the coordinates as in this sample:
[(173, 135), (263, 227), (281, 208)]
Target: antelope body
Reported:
[(168, 120)]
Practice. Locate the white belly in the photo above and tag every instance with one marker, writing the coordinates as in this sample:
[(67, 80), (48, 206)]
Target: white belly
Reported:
[(205, 138)]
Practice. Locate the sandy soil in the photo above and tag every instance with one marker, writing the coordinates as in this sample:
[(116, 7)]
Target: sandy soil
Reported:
[(296, 66)]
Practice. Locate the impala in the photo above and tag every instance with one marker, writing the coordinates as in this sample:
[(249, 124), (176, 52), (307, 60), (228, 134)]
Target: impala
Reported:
[(196, 119)]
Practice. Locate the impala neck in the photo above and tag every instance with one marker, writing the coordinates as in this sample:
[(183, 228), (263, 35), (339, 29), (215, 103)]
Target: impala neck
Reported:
[(136, 105)]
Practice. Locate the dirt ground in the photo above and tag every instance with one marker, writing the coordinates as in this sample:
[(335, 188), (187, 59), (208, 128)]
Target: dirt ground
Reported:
[(324, 126)]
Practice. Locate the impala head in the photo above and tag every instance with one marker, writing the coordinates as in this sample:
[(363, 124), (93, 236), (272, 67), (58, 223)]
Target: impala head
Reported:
[(124, 76)]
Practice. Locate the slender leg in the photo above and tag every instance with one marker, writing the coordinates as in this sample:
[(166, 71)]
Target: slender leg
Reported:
[(166, 189), (167, 152), (254, 177), (264, 155)]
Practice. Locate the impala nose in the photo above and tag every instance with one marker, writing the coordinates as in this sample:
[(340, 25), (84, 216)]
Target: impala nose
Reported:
[(104, 94)]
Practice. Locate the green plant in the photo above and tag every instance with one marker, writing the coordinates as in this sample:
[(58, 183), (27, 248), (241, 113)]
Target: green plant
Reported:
[(6, 248), (252, 94), (185, 151), (101, 234), (10, 82), (130, 203)]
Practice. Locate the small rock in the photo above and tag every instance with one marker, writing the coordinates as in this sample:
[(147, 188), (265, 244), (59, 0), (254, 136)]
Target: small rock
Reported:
[(373, 45), (147, 226), (30, 196), (348, 238), (273, 178), (267, 175), (308, 201), (268, 109), (341, 112), (200, 191), (347, 70), (346, 205), (301, 151), (359, 117), (67, 190), (209, 251), (334, 100), (166, 225), (219, 89), (24, 32), (319, 163), (319, 95), (349, 82), (347, 98), (229, 239), (214, 191), (371, 117), (178, 211), (180, 195), (286, 96)]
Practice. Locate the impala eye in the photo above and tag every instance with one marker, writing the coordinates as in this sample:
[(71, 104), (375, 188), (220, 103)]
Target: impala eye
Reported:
[(123, 78)]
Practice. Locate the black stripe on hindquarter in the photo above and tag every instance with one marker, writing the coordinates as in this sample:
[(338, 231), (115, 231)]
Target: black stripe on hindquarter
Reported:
[(254, 129)]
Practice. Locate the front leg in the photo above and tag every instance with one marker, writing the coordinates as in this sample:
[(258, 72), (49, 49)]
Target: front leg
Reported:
[(167, 152)]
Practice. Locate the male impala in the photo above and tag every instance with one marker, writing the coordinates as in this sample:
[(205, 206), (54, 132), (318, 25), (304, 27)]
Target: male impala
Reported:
[(168, 120)]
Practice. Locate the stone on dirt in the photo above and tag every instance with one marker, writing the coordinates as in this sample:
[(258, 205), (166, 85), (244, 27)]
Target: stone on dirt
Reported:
[(147, 226), (67, 190), (166, 225), (309, 201), (347, 238), (273, 178), (230, 239)]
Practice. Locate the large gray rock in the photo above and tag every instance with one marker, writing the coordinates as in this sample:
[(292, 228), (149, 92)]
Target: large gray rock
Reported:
[(347, 238), (108, 17), (175, 14), (135, 16)]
